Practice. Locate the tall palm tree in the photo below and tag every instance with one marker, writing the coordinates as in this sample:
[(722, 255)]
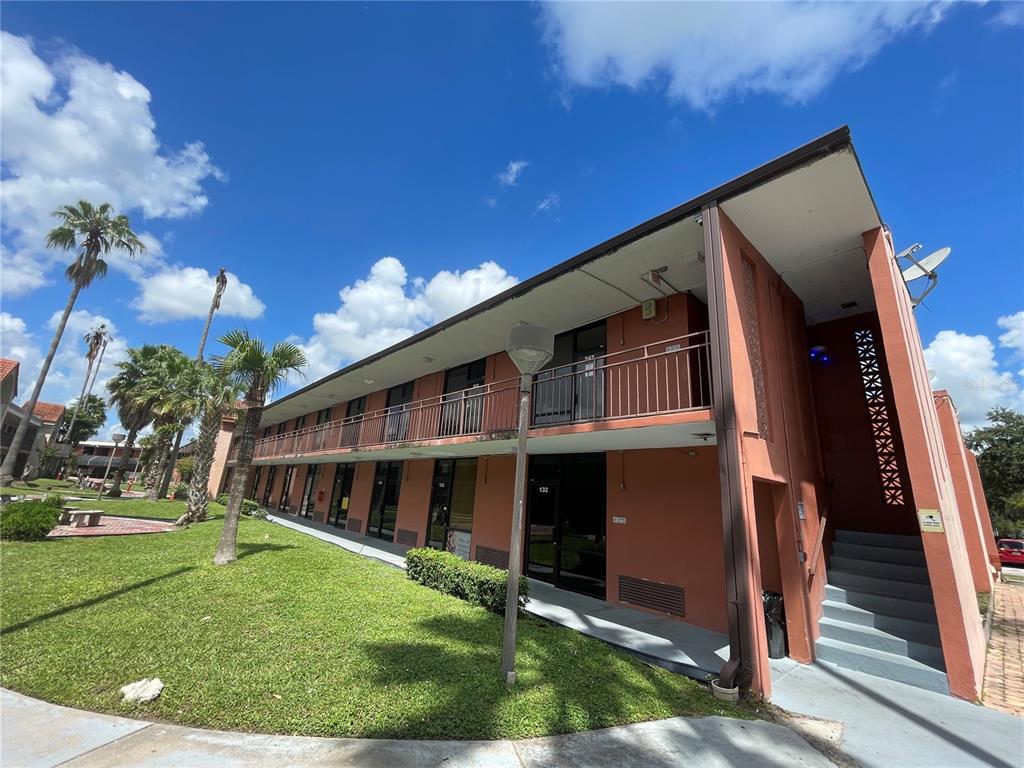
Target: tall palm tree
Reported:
[(95, 342), (260, 371), (169, 385), (94, 232), (218, 396), (134, 411)]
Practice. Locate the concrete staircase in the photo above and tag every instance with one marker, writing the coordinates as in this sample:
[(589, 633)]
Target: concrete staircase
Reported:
[(878, 615)]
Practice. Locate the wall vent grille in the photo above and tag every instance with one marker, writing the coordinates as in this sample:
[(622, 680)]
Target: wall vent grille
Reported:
[(878, 416), (496, 557), (354, 525), (406, 537), (656, 595)]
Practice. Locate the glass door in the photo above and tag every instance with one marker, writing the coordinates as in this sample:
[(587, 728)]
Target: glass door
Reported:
[(542, 529), (286, 489), (309, 491), (344, 474), (387, 483), (397, 424), (450, 522), (271, 473), (255, 482), (571, 387), (353, 422), (462, 404)]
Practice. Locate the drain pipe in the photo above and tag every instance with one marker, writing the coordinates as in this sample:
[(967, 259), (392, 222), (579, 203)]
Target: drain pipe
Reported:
[(738, 670)]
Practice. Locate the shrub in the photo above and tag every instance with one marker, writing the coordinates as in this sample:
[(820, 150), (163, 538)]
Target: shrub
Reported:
[(473, 582), (252, 509), (222, 500), (180, 491), (54, 500), (28, 520)]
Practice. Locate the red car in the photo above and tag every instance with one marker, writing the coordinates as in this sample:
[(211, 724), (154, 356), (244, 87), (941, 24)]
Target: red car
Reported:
[(1011, 551)]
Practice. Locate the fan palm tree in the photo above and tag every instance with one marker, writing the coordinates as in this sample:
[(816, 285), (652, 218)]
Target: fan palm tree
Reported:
[(134, 411), (259, 371), (170, 386), (218, 396), (94, 232)]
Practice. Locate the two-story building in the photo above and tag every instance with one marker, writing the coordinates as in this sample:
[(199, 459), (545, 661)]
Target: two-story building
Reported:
[(737, 403)]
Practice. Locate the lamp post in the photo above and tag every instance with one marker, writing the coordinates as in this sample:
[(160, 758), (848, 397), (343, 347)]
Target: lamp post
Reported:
[(530, 348), (117, 437)]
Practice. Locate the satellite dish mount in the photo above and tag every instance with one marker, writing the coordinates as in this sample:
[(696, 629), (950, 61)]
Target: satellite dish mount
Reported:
[(926, 267)]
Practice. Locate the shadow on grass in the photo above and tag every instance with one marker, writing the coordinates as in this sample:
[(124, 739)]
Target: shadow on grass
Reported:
[(94, 600), (247, 549)]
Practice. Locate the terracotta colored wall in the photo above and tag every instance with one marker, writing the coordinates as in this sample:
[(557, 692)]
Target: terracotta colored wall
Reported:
[(220, 456), (362, 492), (986, 520), (966, 506), (960, 629), (673, 529), (414, 499), (492, 505), (787, 454), (324, 485), (857, 502)]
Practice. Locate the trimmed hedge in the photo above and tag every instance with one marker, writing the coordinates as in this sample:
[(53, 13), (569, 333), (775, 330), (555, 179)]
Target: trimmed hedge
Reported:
[(476, 583), (29, 520)]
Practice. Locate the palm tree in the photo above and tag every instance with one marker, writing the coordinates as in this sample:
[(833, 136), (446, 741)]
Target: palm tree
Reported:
[(260, 371), (134, 411), (169, 384), (218, 396), (95, 343), (93, 232)]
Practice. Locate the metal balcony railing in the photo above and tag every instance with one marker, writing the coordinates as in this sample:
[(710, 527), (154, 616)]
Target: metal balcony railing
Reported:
[(669, 376)]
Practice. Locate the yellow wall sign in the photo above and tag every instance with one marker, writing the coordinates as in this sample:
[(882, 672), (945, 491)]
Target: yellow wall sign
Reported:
[(930, 520)]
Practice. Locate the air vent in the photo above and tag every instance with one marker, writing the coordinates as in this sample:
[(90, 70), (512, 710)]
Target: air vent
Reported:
[(496, 557), (356, 526), (656, 595), (408, 538)]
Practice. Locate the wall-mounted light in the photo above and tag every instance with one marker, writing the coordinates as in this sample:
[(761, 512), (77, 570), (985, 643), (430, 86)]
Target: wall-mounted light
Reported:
[(820, 354)]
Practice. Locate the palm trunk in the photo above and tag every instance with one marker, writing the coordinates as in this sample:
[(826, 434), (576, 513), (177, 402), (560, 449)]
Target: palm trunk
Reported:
[(206, 444), (165, 481), (158, 465), (246, 445), (122, 465), (7, 468), (81, 398)]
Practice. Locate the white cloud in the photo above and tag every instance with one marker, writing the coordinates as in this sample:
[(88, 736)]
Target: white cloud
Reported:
[(510, 176), (186, 292), (704, 53), (16, 344), (1013, 338), (968, 368), (490, 202), (550, 203), (77, 128), (386, 306), (1011, 14)]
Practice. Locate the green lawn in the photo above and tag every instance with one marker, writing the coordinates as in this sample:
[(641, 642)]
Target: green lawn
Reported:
[(299, 637), (41, 487), (155, 510)]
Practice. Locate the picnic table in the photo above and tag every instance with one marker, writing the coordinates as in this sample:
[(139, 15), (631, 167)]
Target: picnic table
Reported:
[(83, 518)]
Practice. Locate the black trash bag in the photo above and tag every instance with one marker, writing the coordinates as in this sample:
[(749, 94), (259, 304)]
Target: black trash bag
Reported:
[(775, 624)]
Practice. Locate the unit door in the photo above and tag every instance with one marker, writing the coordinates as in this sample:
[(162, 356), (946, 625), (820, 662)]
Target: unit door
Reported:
[(341, 494), (255, 482), (309, 491), (542, 531), (450, 524), (582, 543), (286, 489), (396, 426), (271, 475), (384, 503), (353, 422), (462, 404)]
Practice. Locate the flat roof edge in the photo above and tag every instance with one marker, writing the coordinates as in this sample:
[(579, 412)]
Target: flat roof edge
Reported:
[(823, 145)]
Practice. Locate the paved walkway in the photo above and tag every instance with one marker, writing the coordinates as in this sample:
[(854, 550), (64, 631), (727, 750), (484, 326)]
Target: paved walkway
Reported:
[(40, 735), (113, 526), (1004, 667)]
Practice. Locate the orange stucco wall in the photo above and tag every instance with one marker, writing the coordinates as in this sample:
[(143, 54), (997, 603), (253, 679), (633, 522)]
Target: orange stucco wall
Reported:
[(970, 520), (673, 530), (414, 497), (492, 504), (986, 521), (362, 492), (960, 628)]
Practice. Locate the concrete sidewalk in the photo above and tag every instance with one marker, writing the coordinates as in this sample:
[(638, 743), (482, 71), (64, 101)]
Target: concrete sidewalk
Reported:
[(39, 735)]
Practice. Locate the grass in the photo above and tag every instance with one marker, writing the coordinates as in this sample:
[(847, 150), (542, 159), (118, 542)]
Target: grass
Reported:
[(299, 637), (984, 600), (41, 486)]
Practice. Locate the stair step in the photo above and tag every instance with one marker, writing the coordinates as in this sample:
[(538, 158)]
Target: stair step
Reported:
[(913, 610), (878, 554), (880, 640), (924, 632), (911, 573), (904, 590), (881, 664), (879, 539)]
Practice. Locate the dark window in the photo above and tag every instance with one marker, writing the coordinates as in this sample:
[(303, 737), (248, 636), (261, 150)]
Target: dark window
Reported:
[(353, 421), (571, 387), (387, 484), (397, 425), (255, 482), (300, 422), (341, 494), (286, 488), (323, 416), (463, 402), (309, 491), (281, 427), (271, 472)]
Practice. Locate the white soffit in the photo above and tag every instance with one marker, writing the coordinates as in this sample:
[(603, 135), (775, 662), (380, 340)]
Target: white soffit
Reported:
[(808, 225), (603, 287)]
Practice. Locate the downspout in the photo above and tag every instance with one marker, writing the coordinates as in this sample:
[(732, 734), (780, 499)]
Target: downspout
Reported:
[(738, 670)]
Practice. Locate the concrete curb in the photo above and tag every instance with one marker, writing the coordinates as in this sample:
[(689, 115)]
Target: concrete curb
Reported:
[(79, 739)]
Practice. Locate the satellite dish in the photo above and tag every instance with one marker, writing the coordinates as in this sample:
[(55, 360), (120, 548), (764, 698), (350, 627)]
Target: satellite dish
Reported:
[(925, 267)]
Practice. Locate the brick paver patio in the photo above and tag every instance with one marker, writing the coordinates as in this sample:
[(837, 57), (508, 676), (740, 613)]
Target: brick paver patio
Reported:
[(1004, 668), (114, 526)]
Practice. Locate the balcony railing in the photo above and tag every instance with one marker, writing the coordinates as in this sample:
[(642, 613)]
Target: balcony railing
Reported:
[(669, 376)]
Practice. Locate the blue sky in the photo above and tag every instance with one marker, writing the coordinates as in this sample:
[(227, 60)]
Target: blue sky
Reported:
[(322, 152)]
